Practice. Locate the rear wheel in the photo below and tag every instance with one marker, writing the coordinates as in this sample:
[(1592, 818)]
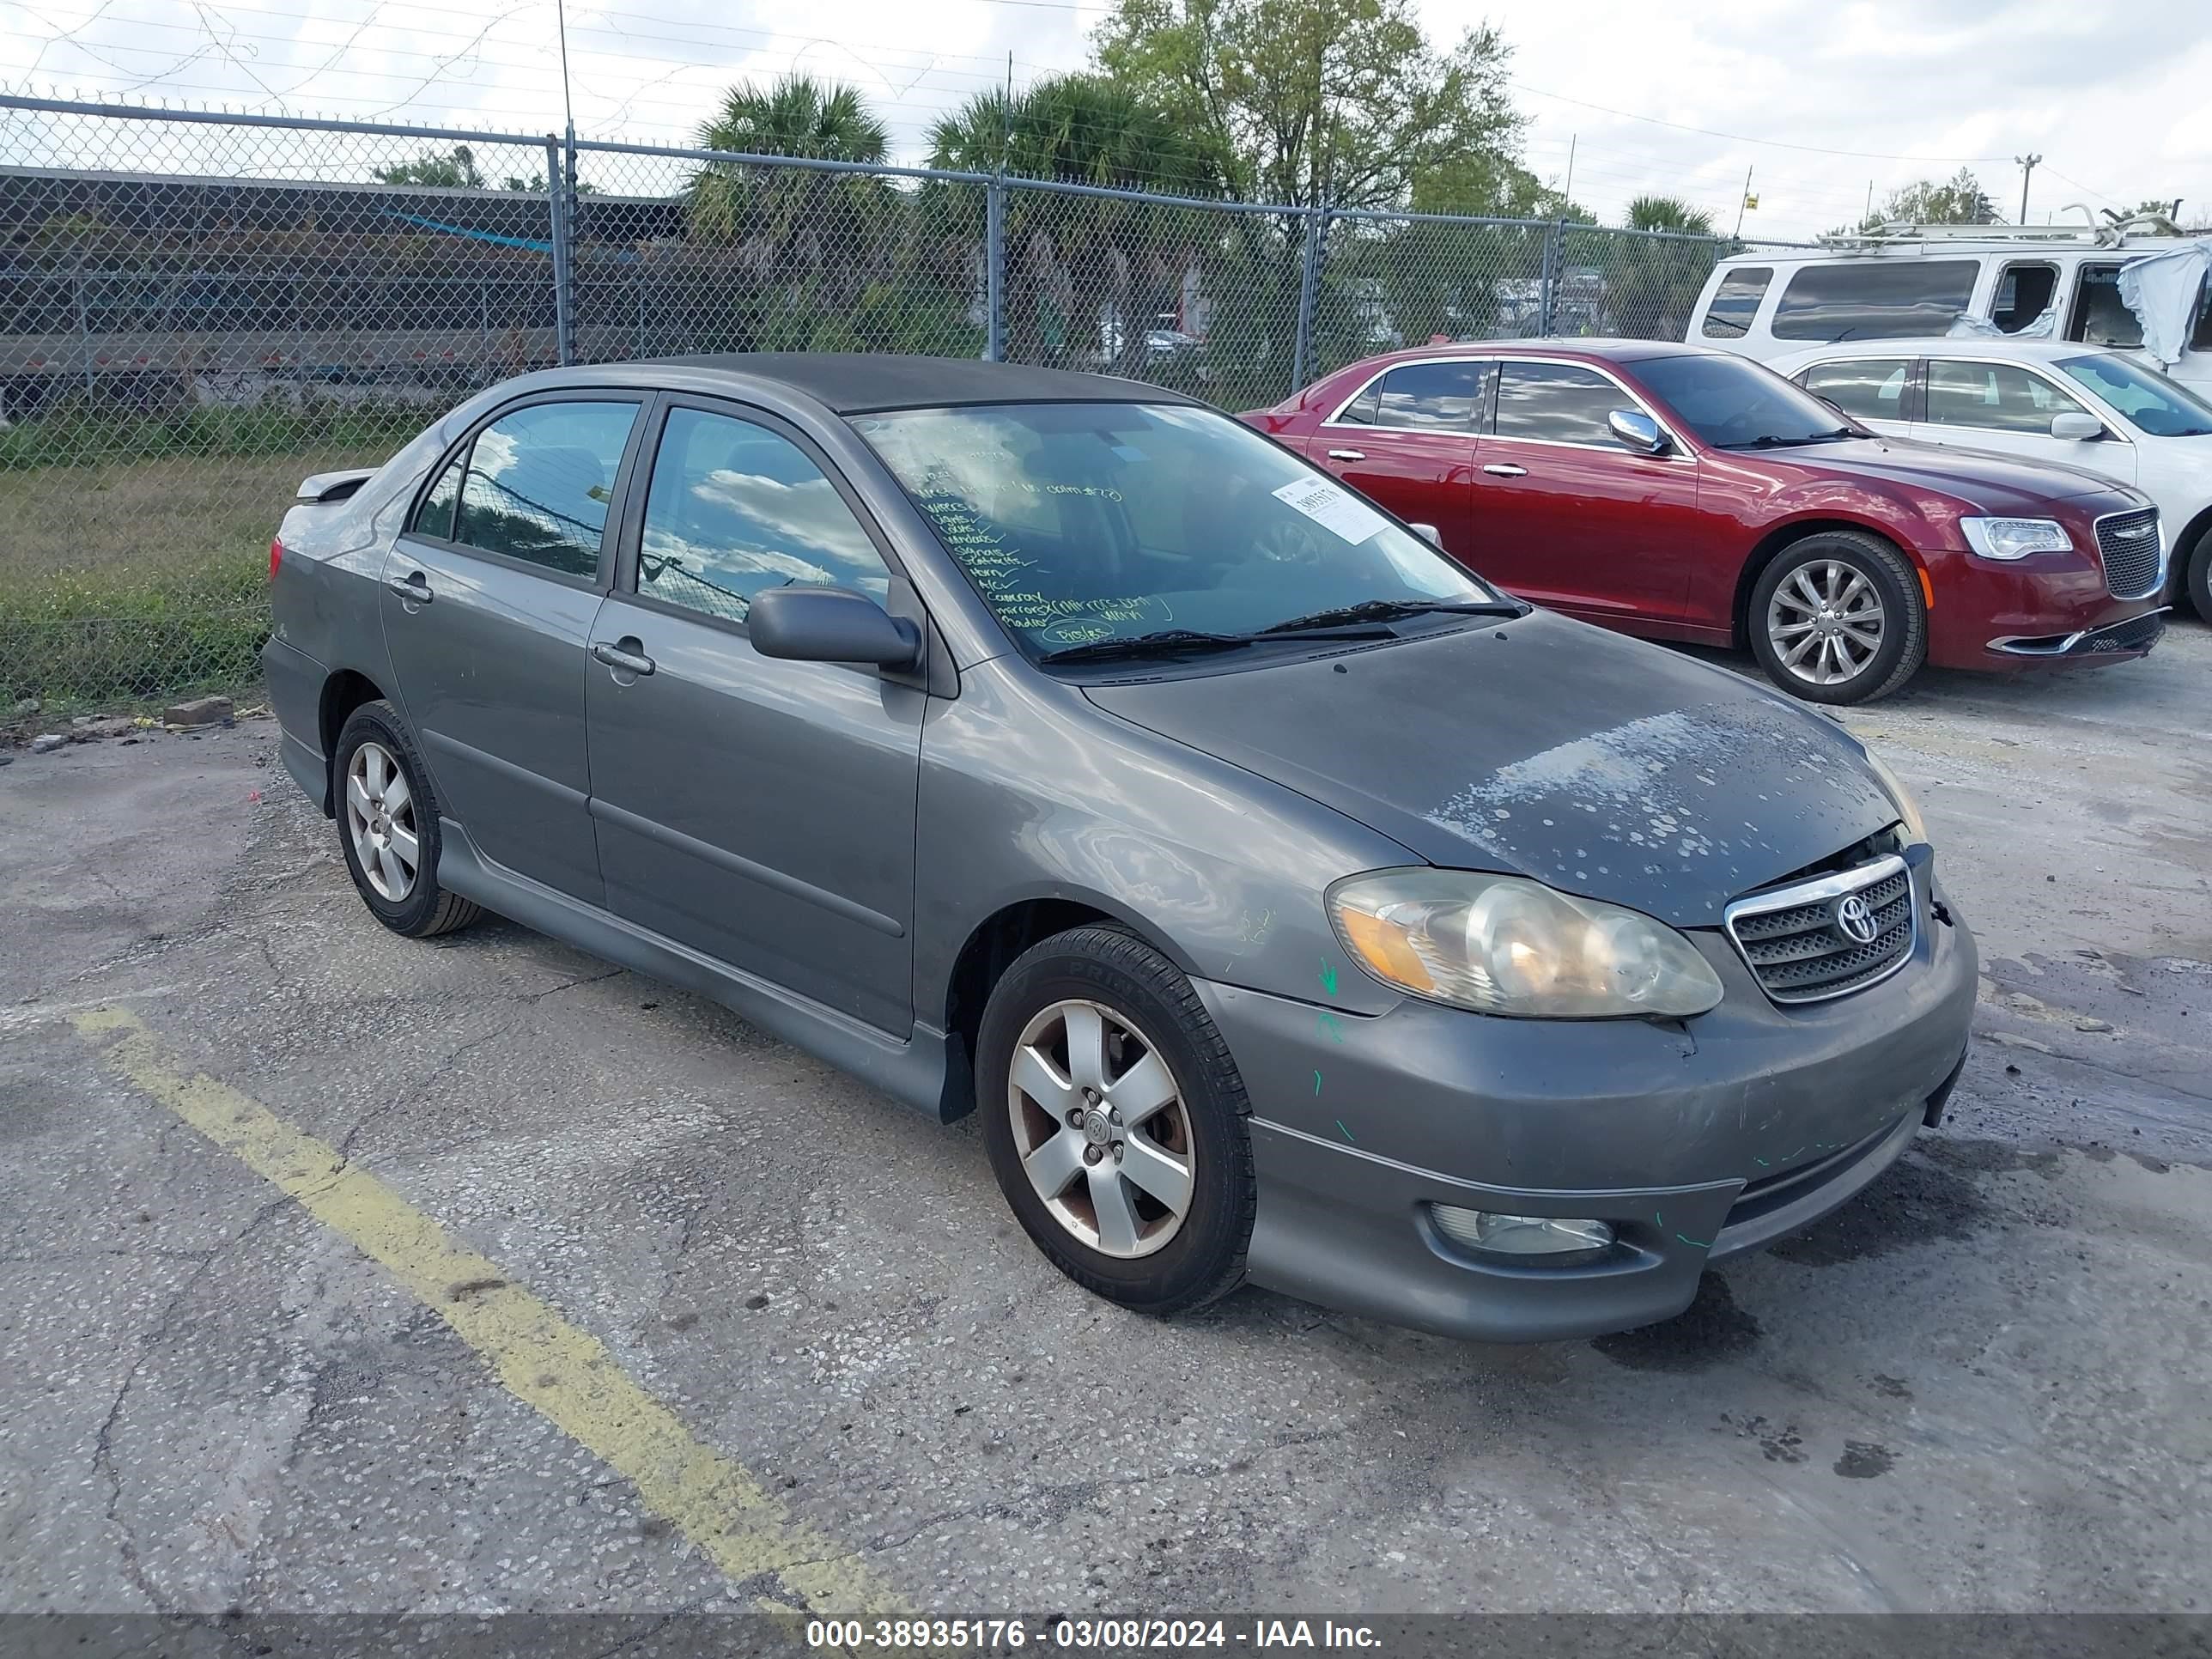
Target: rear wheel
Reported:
[(388, 826), (1117, 1121), (1838, 617)]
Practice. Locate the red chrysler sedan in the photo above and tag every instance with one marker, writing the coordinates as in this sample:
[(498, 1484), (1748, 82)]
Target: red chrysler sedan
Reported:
[(1685, 493)]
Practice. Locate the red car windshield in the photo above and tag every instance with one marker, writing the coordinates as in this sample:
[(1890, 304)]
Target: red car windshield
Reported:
[(1732, 402)]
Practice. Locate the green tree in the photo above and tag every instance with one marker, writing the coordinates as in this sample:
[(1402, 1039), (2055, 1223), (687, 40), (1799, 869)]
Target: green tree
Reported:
[(1669, 213), (1301, 101), (455, 170), (1086, 275), (1958, 200)]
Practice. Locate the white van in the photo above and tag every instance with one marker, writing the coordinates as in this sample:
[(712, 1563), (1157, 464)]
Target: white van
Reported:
[(1924, 282)]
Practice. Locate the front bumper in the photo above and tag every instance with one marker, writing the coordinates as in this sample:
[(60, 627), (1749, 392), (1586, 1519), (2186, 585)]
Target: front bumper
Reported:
[(1695, 1142), (2049, 612)]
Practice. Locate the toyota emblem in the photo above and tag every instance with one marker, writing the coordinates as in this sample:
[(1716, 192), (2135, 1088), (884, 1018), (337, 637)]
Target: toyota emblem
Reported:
[(1855, 919)]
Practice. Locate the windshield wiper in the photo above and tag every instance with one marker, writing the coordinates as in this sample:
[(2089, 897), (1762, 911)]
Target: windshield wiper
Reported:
[(1377, 611), (1771, 441), (1163, 642)]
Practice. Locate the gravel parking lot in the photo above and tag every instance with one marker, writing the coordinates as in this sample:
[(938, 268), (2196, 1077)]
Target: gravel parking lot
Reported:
[(801, 1351)]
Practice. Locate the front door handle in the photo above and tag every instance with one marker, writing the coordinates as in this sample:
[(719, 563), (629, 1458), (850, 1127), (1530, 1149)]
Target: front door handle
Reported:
[(1347, 454), (1506, 469), (621, 658), (414, 587)]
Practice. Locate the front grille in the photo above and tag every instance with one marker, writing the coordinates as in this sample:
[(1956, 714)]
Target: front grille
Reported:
[(1797, 945), (2128, 543), (2136, 634)]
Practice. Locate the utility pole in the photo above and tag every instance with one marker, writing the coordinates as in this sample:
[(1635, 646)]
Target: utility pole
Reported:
[(1568, 194), (2027, 164), (1742, 202)]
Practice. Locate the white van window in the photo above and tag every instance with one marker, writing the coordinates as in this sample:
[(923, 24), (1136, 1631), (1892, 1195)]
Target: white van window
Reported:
[(2100, 316), (1865, 388), (1736, 302), (2024, 294), (1876, 300)]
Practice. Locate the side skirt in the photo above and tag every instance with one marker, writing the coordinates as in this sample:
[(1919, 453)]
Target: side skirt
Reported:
[(913, 1073)]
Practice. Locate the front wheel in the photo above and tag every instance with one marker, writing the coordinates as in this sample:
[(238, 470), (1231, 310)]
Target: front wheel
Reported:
[(1838, 617), (2196, 578), (1117, 1121)]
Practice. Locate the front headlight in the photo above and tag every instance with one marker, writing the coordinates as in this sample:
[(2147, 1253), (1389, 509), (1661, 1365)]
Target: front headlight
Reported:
[(1501, 944), (1908, 810), (2015, 539)]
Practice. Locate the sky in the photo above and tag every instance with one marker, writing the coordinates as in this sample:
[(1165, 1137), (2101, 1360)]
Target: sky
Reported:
[(1825, 104)]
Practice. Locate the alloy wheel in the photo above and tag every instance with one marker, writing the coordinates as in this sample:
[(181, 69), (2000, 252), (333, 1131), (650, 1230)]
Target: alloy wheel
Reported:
[(380, 819), (1827, 622), (1100, 1128)]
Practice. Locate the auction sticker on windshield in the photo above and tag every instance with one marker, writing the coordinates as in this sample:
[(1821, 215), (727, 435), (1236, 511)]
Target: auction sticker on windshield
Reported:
[(1332, 507)]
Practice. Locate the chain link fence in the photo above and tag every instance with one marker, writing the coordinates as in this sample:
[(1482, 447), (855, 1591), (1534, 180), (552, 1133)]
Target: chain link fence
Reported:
[(197, 310)]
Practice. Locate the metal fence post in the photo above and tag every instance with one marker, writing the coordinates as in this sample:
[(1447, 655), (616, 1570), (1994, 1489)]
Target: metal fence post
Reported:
[(556, 198), (1547, 284), (994, 269), (1308, 293)]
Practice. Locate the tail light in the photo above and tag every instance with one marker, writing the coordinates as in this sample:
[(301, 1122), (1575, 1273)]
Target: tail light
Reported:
[(276, 556)]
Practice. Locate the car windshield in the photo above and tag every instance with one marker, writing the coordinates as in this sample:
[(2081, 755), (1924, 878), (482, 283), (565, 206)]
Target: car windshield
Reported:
[(2158, 406), (1085, 524), (1733, 402)]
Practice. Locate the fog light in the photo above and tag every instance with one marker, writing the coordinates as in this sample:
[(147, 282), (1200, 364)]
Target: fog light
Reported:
[(1520, 1234)]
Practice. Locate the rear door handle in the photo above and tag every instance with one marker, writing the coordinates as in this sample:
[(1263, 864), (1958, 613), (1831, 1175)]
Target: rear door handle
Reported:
[(1506, 469), (1347, 454), (414, 588), (617, 657)]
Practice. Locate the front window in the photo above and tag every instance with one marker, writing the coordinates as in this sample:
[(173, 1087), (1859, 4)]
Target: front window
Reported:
[(1733, 402), (1082, 523), (1993, 397), (1876, 300), (2158, 406), (1736, 302)]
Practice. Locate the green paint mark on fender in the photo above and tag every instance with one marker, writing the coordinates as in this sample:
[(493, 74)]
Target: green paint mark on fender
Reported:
[(1329, 1023), (1695, 1243), (1345, 1133), (1328, 976), (1317, 1082)]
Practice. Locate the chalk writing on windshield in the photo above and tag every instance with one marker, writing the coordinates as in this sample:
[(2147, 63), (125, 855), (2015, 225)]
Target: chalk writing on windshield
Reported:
[(996, 565)]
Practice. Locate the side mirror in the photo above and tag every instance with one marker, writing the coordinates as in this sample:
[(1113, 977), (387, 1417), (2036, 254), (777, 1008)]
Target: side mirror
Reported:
[(831, 624), (2077, 426), (1429, 534), (1637, 431)]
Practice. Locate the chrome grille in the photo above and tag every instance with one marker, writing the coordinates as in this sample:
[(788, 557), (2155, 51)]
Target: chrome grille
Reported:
[(2135, 565), (1798, 947)]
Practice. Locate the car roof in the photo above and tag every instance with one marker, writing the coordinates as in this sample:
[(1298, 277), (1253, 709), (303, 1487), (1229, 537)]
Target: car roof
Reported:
[(1594, 348), (857, 382), (1946, 345)]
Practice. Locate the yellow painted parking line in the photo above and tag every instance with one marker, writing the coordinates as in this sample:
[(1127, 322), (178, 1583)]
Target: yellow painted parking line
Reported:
[(566, 1374)]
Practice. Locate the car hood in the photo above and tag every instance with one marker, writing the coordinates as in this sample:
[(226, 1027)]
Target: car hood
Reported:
[(1992, 482), (1547, 748)]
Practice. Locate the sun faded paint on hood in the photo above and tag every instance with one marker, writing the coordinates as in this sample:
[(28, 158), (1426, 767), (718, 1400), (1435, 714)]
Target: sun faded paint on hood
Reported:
[(1586, 760), (1990, 482)]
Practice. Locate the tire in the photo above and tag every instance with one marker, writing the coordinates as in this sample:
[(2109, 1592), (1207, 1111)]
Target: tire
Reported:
[(1165, 1261), (2197, 579), (376, 825), (1865, 578)]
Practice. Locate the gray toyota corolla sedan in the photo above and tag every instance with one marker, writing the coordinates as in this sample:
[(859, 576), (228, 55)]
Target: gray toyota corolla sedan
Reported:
[(1293, 905)]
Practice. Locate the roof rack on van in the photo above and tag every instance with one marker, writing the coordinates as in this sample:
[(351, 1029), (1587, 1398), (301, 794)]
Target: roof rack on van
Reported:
[(2109, 229)]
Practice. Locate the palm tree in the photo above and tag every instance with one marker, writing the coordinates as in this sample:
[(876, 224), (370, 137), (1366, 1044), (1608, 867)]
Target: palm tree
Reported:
[(797, 115), (1669, 213), (1085, 274)]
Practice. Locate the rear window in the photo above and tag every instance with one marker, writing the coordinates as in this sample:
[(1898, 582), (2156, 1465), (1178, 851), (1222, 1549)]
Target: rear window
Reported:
[(1736, 302), (1450, 397), (1876, 300), (1868, 388)]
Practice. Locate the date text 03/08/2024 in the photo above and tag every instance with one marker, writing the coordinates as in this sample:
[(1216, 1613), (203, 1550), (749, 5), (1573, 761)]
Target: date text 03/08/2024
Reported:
[(1001, 1634)]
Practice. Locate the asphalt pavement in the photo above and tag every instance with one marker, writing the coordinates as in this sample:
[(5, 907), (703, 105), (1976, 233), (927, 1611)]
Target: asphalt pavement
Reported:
[(344, 1272)]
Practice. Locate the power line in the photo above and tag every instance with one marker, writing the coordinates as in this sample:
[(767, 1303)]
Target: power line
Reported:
[(1740, 138)]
